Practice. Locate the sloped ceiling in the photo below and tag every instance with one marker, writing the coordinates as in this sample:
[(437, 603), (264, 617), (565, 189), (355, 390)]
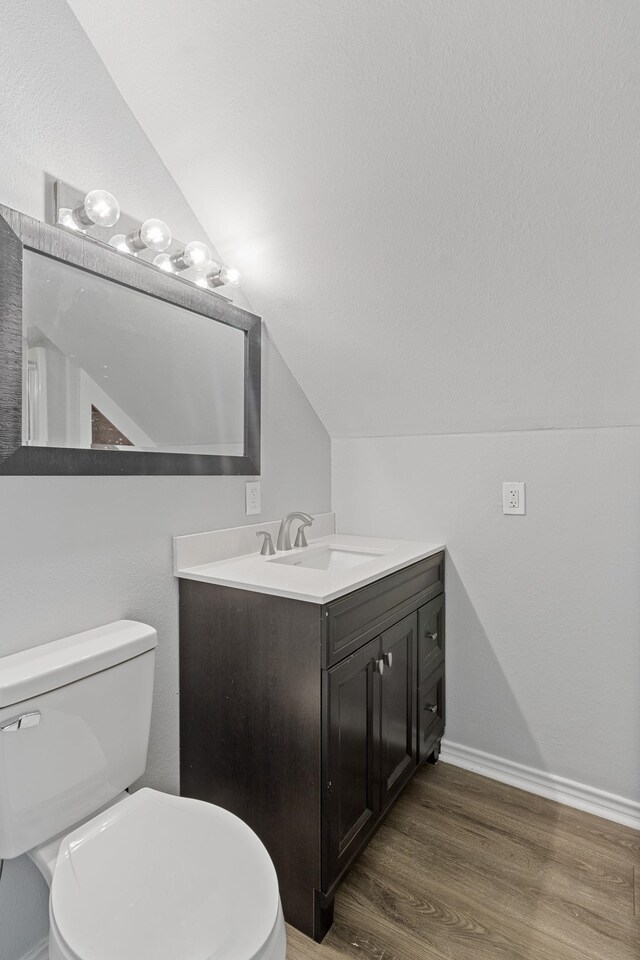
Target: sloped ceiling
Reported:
[(435, 205)]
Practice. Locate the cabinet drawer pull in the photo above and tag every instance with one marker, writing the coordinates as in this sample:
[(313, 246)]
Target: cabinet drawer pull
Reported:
[(431, 636), (379, 666), (431, 707), (388, 659)]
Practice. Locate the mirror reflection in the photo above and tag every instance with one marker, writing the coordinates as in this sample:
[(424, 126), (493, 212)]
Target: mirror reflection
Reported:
[(109, 367)]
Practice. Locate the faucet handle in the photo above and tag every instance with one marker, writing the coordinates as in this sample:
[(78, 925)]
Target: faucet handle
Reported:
[(301, 540), (267, 549)]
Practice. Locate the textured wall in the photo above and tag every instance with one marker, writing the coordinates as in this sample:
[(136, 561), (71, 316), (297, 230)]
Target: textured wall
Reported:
[(80, 551), (435, 204), (543, 615)]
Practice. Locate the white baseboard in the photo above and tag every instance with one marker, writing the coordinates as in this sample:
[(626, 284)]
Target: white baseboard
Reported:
[(573, 794), (39, 952)]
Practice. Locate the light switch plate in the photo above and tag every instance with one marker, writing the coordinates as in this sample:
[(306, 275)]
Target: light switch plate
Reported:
[(513, 497), (252, 498)]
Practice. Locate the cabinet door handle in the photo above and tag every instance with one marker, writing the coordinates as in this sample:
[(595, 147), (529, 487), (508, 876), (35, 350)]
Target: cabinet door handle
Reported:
[(379, 666), (431, 707), (388, 659), (431, 636)]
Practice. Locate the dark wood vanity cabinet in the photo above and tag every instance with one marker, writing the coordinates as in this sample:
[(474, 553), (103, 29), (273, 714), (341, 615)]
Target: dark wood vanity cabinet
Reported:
[(307, 720)]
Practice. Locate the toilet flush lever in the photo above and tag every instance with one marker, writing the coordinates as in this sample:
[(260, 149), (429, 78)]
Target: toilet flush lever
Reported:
[(19, 723)]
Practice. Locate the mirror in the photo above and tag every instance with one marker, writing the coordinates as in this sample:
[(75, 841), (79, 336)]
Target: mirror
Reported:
[(107, 367), (120, 368)]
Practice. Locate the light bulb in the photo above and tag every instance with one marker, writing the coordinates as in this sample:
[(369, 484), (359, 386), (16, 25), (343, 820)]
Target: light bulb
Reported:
[(153, 234), (119, 241), (231, 275), (65, 217), (222, 276), (195, 254), (100, 208), (164, 262)]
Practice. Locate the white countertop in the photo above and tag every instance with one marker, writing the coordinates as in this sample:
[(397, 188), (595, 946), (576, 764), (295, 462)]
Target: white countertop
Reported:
[(271, 575)]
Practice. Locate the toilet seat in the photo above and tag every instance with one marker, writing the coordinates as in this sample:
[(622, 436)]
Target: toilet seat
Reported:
[(168, 878)]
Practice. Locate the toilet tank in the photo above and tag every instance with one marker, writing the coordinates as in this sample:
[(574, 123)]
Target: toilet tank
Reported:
[(74, 729)]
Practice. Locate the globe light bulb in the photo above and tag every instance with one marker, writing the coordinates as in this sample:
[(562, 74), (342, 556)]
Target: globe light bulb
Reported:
[(195, 254), (119, 241), (222, 276), (164, 262), (100, 209), (153, 234), (231, 275), (65, 218)]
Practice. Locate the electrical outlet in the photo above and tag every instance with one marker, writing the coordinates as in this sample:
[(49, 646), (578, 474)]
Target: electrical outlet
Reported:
[(252, 498), (513, 497)]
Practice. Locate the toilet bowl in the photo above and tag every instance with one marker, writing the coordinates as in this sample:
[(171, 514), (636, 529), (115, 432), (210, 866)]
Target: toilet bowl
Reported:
[(163, 877), (141, 876)]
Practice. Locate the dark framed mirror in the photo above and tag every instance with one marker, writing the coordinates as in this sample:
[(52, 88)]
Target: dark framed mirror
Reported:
[(110, 366)]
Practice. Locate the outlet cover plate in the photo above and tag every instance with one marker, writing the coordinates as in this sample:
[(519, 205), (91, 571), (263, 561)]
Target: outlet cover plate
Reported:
[(513, 497), (252, 497)]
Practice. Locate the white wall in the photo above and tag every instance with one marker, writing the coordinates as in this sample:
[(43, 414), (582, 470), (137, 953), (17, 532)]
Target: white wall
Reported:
[(543, 611), (441, 197), (511, 351), (76, 552)]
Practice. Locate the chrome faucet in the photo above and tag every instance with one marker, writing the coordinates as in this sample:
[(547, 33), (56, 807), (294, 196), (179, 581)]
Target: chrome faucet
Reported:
[(284, 536)]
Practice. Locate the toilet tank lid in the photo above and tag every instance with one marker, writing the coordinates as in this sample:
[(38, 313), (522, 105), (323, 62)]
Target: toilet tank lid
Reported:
[(38, 670)]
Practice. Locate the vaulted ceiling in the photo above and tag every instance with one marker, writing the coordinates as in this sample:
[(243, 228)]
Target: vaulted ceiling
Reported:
[(434, 204)]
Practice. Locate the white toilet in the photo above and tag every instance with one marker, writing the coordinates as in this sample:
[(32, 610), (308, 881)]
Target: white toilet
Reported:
[(143, 876)]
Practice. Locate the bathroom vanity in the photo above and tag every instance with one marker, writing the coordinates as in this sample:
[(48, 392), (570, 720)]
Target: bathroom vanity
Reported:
[(306, 711)]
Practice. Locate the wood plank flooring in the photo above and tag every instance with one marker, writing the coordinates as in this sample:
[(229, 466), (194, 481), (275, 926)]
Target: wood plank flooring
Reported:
[(465, 868)]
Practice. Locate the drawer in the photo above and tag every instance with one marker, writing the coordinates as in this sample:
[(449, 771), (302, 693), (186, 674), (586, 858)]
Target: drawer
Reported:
[(352, 620), (430, 712), (431, 629)]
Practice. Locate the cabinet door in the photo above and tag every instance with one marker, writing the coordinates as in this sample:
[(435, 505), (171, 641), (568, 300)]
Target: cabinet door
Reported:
[(352, 743), (397, 707)]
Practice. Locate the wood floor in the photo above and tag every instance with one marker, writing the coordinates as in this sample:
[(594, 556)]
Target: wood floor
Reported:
[(465, 868)]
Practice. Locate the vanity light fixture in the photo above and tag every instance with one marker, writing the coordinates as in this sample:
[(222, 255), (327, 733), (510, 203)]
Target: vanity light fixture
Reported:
[(222, 276), (99, 208), (153, 234), (150, 242)]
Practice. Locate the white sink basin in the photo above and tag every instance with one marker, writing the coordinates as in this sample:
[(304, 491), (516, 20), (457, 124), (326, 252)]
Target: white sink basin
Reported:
[(333, 565), (330, 558)]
